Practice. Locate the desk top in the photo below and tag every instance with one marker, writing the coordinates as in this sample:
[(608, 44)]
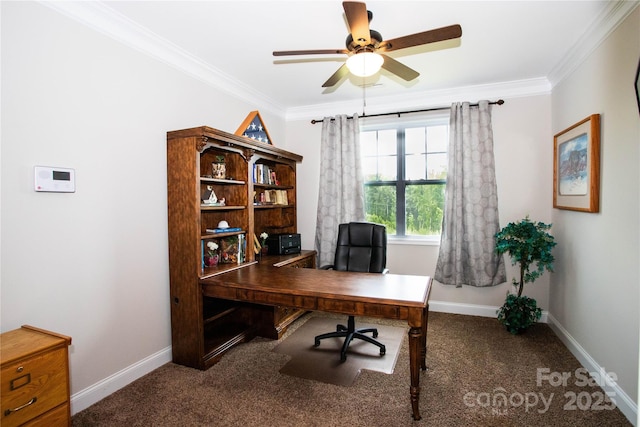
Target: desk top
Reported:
[(392, 289)]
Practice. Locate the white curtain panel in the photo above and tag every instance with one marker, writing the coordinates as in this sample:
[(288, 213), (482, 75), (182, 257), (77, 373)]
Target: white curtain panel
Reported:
[(341, 196), (467, 247)]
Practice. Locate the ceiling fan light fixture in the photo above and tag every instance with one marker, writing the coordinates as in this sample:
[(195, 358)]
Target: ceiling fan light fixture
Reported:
[(364, 64)]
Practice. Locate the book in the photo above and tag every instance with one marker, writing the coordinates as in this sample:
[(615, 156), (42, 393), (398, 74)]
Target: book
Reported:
[(223, 230), (281, 197), (263, 174), (241, 248), (202, 265)]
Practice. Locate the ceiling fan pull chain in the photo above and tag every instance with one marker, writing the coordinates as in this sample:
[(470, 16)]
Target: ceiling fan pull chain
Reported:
[(364, 97)]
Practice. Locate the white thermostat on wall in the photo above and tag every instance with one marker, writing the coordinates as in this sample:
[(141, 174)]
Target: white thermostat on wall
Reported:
[(55, 180)]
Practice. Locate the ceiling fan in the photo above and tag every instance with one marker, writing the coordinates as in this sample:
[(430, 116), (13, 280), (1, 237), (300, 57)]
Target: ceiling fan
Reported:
[(366, 48)]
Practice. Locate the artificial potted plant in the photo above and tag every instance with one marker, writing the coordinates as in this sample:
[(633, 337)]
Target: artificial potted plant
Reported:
[(529, 245)]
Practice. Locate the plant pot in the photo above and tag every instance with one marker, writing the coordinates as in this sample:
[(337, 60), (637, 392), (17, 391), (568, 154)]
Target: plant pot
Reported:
[(211, 260), (219, 170), (517, 314)]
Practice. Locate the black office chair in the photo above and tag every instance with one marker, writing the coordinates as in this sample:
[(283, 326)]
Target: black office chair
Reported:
[(361, 247)]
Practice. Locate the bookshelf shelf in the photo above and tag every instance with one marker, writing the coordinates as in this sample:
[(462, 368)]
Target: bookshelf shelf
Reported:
[(271, 206), (221, 181), (273, 187), (221, 208)]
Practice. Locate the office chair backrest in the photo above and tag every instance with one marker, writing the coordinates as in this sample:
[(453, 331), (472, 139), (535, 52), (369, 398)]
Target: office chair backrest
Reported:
[(362, 247)]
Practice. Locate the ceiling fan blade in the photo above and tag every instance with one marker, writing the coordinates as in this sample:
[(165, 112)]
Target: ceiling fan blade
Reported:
[(337, 76), (399, 69), (358, 19), (310, 52), (426, 37)]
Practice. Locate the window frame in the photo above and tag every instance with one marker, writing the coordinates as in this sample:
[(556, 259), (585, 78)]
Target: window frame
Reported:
[(401, 183)]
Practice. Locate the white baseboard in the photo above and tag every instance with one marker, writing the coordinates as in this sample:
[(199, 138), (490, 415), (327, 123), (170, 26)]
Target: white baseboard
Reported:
[(470, 309), (626, 405), (622, 400), (93, 394), (98, 391)]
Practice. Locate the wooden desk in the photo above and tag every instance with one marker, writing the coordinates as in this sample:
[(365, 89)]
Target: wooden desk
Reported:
[(389, 296)]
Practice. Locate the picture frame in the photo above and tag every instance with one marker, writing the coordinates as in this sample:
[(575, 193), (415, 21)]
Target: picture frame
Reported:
[(229, 250), (253, 127), (637, 86), (576, 166), (257, 247)]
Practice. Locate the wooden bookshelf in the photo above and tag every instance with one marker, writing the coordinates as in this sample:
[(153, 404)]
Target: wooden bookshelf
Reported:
[(202, 330)]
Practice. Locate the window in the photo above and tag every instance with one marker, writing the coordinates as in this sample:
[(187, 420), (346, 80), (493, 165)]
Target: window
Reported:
[(405, 170)]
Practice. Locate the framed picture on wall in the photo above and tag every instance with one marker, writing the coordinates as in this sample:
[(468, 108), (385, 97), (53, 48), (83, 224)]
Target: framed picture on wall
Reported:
[(637, 86), (576, 166)]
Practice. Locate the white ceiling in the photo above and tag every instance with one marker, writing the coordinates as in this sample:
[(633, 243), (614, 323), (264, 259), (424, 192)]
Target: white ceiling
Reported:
[(503, 43)]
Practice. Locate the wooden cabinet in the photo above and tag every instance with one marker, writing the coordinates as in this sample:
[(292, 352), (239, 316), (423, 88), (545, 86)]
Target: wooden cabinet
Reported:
[(34, 378), (259, 192)]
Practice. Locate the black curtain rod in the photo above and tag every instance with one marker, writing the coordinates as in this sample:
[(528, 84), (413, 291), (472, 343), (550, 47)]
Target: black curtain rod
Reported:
[(498, 102)]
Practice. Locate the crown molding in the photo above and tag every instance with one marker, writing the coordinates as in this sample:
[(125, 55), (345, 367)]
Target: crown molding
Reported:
[(425, 99), (99, 17), (611, 16), (103, 19)]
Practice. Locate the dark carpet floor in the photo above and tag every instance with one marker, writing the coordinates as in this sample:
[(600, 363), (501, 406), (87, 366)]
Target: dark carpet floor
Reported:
[(479, 375)]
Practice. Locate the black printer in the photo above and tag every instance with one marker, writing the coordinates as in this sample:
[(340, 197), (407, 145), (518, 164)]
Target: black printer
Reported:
[(284, 244)]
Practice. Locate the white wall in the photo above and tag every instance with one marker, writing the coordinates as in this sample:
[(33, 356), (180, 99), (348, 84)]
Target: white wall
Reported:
[(92, 264), (524, 159), (594, 292)]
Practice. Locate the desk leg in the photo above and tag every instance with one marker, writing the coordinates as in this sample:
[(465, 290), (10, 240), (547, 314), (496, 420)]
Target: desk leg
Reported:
[(416, 352), (424, 338)]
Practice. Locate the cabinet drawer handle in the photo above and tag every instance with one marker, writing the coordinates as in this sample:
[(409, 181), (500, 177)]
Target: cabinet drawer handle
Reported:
[(10, 411)]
